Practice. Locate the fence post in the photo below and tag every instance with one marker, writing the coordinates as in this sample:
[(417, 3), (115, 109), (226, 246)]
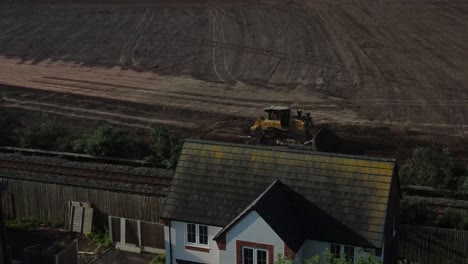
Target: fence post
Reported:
[(122, 231), (110, 228), (139, 233)]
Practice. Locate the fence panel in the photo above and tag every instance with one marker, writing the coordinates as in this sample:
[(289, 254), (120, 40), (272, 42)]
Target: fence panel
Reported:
[(433, 245), (151, 235), (49, 203), (134, 235)]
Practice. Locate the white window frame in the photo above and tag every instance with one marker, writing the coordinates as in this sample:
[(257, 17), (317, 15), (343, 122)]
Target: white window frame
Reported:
[(255, 260), (342, 250), (197, 236)]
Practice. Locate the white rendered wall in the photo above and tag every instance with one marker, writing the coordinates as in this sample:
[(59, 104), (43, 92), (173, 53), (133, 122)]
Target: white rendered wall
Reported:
[(298, 258), (178, 245), (312, 248), (251, 228)]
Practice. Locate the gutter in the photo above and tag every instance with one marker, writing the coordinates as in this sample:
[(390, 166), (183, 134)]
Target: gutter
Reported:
[(170, 240)]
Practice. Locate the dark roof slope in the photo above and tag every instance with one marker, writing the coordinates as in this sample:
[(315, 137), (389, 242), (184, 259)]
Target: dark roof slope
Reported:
[(277, 206), (294, 219), (215, 182)]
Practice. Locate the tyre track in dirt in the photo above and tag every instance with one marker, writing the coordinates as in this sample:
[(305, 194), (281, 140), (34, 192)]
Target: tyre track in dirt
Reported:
[(140, 37), (219, 24), (349, 62), (124, 52), (213, 32)]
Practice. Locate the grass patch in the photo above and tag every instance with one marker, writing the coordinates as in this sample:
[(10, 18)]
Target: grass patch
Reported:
[(159, 259), (22, 223), (102, 239)]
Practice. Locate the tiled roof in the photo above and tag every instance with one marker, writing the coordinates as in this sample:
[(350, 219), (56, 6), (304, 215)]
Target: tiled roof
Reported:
[(294, 219), (214, 182)]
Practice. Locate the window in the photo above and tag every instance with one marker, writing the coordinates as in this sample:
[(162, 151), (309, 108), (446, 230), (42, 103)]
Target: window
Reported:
[(254, 256), (191, 233), (203, 234), (347, 252), (261, 256), (248, 255), (197, 234), (335, 250)]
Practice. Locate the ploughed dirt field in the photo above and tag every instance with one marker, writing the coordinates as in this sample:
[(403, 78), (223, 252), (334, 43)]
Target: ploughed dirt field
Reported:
[(394, 73)]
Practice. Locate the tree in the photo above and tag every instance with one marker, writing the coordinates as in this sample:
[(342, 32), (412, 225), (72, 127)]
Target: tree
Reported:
[(6, 126), (103, 141), (165, 148), (434, 168), (42, 136)]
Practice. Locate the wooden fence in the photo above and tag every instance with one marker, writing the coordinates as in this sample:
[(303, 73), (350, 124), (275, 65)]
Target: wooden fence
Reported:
[(427, 245), (49, 203), (135, 235)]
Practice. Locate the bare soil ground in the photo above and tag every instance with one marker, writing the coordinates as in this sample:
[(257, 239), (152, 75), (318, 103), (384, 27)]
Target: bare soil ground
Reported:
[(393, 73)]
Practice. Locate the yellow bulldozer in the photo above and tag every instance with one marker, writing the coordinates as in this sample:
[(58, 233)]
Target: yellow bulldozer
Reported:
[(280, 128)]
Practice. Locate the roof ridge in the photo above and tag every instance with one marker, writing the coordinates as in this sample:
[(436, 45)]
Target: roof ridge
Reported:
[(290, 150), (247, 208)]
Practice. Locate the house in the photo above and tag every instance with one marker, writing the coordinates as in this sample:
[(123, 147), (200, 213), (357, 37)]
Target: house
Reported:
[(246, 204)]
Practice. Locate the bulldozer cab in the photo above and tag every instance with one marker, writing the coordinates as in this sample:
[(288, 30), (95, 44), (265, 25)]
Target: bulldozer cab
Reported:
[(280, 113)]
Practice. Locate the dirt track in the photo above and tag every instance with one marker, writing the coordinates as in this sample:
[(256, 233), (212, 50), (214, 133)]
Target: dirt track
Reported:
[(209, 67)]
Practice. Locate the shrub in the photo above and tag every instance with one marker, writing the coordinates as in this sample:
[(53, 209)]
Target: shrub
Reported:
[(415, 213), (327, 258), (103, 141), (434, 168), (450, 219), (102, 239), (165, 148), (22, 223), (464, 224), (44, 136), (6, 126), (159, 259), (405, 261)]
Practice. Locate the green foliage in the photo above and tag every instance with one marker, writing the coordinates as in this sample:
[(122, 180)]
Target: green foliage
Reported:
[(451, 219), (464, 186), (405, 261), (159, 259), (165, 148), (43, 136), (415, 213), (6, 126), (327, 258), (22, 223), (434, 168), (464, 224), (280, 259), (102, 239), (368, 259), (161, 147), (103, 141)]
